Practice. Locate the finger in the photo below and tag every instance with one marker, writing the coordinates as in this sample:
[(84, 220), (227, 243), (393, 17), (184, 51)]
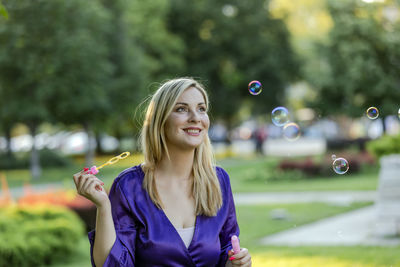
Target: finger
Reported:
[(76, 177), (246, 260), (92, 179), (85, 178), (241, 257), (238, 256), (93, 186), (242, 262), (88, 179)]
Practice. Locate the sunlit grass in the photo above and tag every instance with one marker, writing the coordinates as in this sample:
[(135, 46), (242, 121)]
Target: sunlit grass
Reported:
[(268, 261), (326, 256)]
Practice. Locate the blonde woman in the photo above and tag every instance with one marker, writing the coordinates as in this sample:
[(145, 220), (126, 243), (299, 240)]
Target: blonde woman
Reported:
[(175, 209)]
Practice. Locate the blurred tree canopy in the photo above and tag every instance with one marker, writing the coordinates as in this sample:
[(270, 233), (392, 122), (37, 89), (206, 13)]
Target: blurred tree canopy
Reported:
[(3, 11), (359, 65), (229, 44), (52, 64)]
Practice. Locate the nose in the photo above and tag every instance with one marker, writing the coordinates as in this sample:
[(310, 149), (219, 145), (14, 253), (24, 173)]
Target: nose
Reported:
[(194, 116)]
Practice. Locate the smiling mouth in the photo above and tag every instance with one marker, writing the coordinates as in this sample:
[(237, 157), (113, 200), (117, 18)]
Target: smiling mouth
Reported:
[(194, 132)]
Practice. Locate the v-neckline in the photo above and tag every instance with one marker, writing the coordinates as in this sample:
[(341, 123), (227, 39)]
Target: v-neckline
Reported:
[(196, 222)]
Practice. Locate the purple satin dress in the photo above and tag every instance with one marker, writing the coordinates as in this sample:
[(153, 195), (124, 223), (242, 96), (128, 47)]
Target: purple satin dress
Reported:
[(146, 237)]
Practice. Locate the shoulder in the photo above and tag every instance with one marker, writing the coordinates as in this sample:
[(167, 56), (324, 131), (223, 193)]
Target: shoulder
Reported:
[(131, 178), (223, 177)]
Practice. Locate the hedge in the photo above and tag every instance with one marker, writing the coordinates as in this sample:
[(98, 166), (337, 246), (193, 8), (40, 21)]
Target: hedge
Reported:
[(37, 235)]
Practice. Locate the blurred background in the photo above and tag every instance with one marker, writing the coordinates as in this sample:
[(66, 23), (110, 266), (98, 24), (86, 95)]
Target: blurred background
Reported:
[(74, 77)]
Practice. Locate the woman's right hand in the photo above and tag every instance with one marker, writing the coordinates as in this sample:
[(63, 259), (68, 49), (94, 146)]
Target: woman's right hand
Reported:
[(91, 187)]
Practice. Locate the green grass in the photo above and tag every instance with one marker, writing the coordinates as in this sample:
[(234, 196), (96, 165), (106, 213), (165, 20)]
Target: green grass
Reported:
[(241, 170), (326, 257), (255, 222)]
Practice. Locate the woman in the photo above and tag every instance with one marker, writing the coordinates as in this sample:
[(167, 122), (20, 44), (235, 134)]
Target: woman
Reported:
[(175, 209)]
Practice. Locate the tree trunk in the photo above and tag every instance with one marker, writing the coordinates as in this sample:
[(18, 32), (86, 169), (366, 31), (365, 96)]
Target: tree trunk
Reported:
[(8, 142), (35, 168), (99, 149), (89, 157)]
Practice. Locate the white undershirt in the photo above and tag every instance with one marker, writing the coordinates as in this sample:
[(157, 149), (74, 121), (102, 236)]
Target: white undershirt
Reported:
[(186, 235)]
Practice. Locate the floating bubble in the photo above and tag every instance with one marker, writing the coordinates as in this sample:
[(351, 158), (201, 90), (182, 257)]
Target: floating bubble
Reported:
[(399, 113), (372, 113), (333, 157), (255, 87), (340, 165), (291, 131), (280, 116)]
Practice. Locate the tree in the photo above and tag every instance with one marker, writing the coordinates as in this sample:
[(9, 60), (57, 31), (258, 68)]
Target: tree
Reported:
[(53, 63), (360, 64), (3, 11), (229, 44)]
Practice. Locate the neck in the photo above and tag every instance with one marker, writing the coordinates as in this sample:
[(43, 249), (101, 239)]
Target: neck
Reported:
[(178, 166)]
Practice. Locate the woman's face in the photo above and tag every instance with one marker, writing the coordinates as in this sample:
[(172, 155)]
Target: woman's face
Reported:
[(187, 125)]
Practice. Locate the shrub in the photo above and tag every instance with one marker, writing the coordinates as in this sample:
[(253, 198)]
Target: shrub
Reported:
[(270, 173), (386, 145), (83, 207), (37, 235)]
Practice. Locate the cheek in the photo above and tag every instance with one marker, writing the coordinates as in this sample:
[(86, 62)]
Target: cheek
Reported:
[(206, 122)]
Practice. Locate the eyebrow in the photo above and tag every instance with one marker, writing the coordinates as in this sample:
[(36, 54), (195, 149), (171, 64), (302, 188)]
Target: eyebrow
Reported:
[(186, 104)]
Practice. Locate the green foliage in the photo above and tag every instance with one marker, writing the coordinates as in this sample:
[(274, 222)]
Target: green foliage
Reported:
[(230, 43), (3, 11), (386, 145), (358, 66), (269, 172), (33, 236), (48, 158)]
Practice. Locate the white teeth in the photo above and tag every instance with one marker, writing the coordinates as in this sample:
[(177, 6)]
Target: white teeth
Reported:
[(193, 131)]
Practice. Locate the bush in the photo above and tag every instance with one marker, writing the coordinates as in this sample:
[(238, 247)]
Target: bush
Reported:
[(270, 173), (37, 235), (83, 207), (386, 145), (311, 168), (48, 158)]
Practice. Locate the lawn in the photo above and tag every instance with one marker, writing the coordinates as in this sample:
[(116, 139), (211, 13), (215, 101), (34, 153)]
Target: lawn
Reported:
[(255, 222), (241, 170)]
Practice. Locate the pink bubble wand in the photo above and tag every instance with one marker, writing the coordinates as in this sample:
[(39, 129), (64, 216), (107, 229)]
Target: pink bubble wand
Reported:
[(235, 244)]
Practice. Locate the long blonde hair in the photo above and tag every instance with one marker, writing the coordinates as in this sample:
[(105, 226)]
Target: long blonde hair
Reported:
[(205, 187)]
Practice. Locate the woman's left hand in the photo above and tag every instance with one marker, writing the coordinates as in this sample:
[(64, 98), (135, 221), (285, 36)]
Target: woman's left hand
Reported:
[(243, 258)]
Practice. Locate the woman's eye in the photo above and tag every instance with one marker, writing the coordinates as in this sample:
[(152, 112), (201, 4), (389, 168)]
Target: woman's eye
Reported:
[(181, 109), (202, 109)]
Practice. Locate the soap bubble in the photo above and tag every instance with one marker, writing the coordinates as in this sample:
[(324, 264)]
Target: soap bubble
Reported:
[(333, 157), (255, 87), (372, 113), (291, 131), (340, 165), (280, 116), (399, 113)]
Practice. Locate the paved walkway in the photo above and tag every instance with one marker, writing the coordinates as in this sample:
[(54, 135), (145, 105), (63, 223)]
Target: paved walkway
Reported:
[(354, 228)]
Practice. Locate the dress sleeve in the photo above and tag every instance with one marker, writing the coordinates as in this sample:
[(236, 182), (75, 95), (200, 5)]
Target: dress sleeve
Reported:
[(230, 226), (123, 251)]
